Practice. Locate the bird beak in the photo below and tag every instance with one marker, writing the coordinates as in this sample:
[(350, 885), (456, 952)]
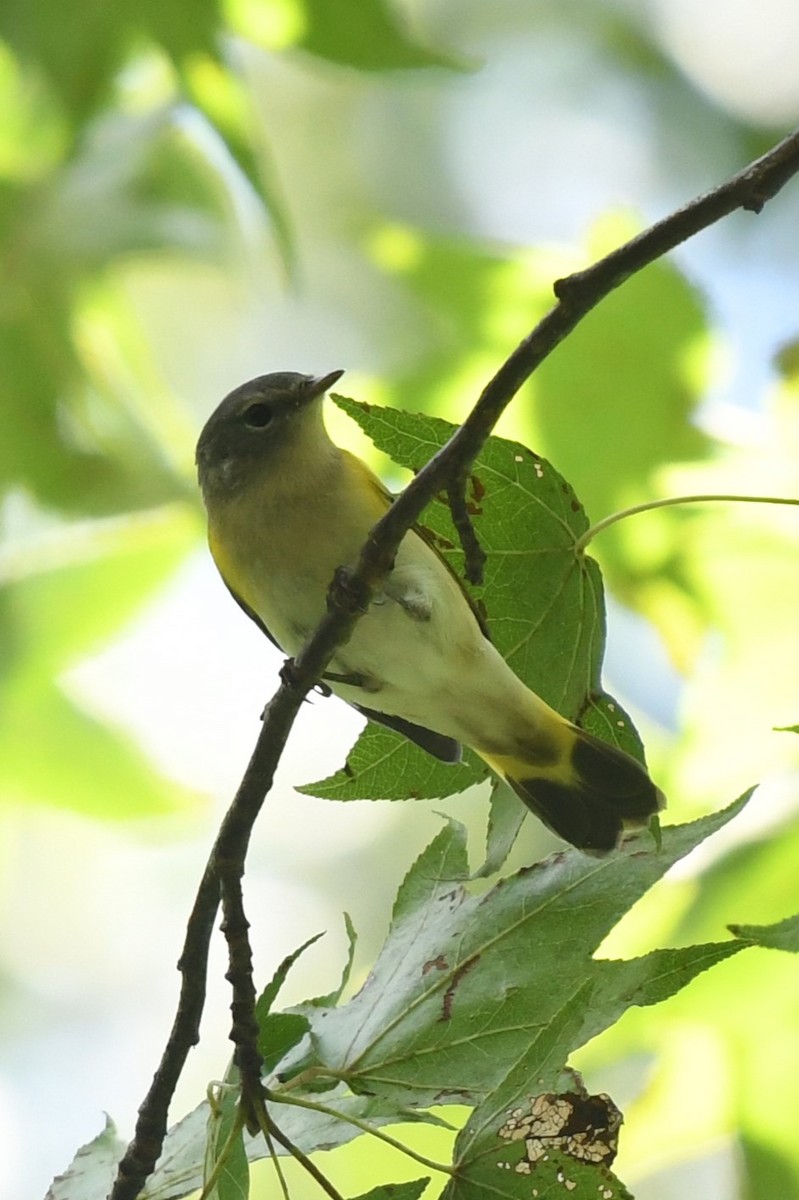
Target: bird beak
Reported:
[(319, 384)]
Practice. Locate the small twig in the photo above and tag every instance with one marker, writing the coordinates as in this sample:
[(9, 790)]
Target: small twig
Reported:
[(275, 1157), (577, 295), (271, 1129), (365, 1127), (749, 189), (142, 1153), (649, 505), (474, 553), (244, 1030)]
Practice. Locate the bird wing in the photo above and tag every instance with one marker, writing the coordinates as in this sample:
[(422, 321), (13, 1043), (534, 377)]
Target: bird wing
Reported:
[(387, 498), (251, 613), (446, 749)]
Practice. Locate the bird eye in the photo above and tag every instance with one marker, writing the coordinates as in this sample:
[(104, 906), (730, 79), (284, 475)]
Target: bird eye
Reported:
[(258, 416)]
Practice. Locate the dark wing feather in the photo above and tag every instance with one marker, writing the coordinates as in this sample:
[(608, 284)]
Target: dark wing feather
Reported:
[(253, 615), (444, 748)]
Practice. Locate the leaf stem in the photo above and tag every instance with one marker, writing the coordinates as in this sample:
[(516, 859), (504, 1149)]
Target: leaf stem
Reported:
[(606, 522), (221, 1159), (364, 1126), (300, 1157)]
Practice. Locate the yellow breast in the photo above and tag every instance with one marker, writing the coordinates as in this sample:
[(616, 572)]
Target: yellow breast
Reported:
[(277, 547)]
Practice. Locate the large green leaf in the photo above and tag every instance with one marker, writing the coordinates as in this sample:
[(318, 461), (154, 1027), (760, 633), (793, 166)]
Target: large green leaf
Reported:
[(68, 586), (53, 753), (726, 1046), (543, 602), (456, 974), (479, 998), (615, 406)]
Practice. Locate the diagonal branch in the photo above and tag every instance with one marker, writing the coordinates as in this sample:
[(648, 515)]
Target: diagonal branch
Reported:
[(349, 598)]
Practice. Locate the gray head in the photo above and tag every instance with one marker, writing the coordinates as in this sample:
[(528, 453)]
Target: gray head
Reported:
[(254, 422)]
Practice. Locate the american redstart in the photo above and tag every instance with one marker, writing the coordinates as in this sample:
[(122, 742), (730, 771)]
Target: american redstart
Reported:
[(287, 508)]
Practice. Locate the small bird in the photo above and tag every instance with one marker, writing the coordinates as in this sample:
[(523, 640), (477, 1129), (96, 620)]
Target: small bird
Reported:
[(287, 508)]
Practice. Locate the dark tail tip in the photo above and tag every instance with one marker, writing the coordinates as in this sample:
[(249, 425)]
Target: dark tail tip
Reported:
[(610, 792)]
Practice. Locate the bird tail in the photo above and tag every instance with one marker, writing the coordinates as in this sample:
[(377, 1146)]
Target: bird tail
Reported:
[(589, 795)]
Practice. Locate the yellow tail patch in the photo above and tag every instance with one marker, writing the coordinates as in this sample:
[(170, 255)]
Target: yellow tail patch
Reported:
[(588, 795)]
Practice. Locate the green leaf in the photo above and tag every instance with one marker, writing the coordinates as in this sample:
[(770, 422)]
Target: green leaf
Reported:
[(543, 603), (92, 1171), (505, 819), (279, 1032), (444, 859), (409, 1190), (502, 1175), (647, 980), (762, 867), (616, 409), (472, 304), (782, 936), (482, 998), (383, 765), (69, 588), (747, 570), (81, 58), (367, 34), (491, 1155), (743, 1014), (268, 996), (225, 1156), (222, 98), (179, 1169), (607, 719), (463, 983), (352, 941), (538, 1069), (71, 442)]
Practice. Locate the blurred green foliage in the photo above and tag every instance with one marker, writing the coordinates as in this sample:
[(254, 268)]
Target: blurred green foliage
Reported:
[(208, 148)]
